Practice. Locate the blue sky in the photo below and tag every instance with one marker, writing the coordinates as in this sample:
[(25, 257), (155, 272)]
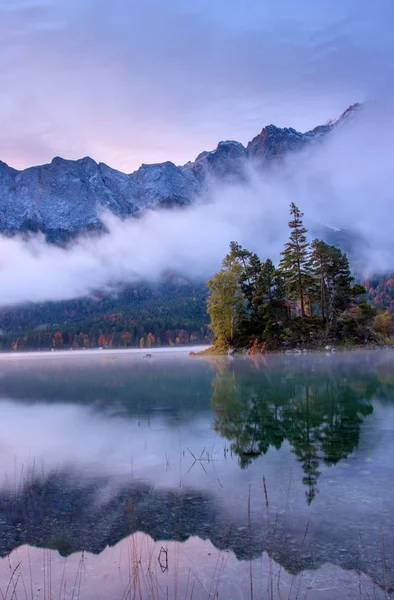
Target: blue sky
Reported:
[(128, 82)]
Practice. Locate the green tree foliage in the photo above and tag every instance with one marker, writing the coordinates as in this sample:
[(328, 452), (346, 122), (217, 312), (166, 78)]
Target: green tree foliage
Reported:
[(254, 302), (320, 261), (225, 302), (295, 261), (333, 280), (269, 299), (174, 305), (250, 268), (383, 323), (319, 415)]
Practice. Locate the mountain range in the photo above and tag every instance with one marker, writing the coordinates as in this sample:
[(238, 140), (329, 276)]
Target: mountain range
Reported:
[(66, 197)]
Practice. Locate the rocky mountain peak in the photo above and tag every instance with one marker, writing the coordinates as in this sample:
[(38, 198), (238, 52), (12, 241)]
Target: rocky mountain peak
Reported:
[(349, 112), (227, 161), (274, 142), (68, 196)]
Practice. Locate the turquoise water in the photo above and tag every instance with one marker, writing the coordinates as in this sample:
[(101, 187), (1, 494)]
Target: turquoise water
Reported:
[(183, 476)]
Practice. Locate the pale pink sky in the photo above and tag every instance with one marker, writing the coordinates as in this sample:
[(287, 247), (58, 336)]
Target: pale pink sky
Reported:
[(129, 81)]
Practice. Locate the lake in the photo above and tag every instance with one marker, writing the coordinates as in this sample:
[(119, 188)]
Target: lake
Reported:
[(196, 477)]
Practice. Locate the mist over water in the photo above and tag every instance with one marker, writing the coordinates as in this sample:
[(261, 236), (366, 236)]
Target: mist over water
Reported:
[(95, 447), (343, 182)]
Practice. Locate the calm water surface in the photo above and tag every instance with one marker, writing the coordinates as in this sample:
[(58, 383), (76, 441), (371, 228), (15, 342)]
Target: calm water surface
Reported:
[(190, 477)]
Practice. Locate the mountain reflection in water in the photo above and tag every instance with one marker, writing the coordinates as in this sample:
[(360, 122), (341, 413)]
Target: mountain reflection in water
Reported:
[(285, 457), (137, 567)]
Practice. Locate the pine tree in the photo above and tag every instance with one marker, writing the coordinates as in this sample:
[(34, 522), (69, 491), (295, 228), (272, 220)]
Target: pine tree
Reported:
[(270, 287), (342, 282), (250, 270), (269, 298), (320, 262), (295, 261), (337, 292), (246, 300)]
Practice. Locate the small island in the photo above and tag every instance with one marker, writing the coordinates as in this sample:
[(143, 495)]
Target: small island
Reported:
[(309, 301)]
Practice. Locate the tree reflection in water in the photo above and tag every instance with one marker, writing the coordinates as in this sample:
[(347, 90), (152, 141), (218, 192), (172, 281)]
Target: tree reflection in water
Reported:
[(319, 412)]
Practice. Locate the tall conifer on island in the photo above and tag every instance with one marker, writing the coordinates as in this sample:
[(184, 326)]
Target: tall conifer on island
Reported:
[(247, 298), (295, 261)]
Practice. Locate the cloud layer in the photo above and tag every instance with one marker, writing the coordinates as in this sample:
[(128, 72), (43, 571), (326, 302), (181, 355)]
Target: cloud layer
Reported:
[(344, 182)]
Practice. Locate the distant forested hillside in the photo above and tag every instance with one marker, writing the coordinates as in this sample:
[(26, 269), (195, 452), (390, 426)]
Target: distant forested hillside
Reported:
[(170, 313), (141, 315), (380, 291)]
